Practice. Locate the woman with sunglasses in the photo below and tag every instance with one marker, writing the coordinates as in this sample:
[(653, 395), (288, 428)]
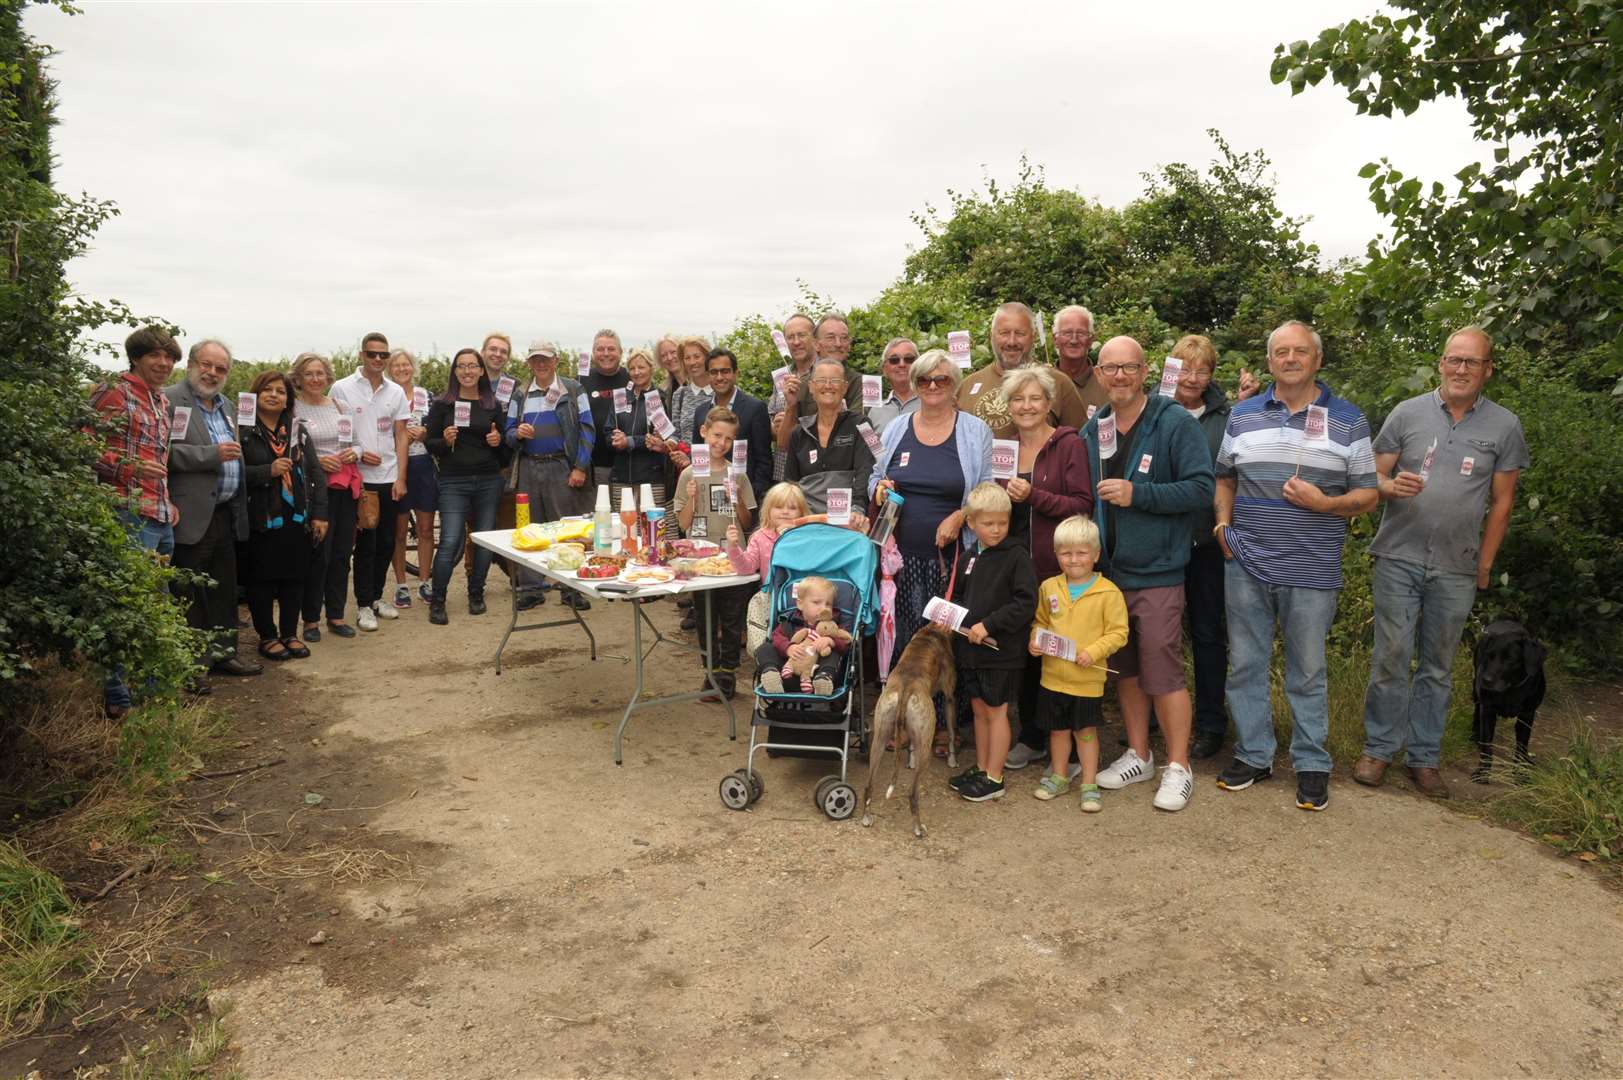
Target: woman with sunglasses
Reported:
[(896, 365), (932, 459), (465, 435)]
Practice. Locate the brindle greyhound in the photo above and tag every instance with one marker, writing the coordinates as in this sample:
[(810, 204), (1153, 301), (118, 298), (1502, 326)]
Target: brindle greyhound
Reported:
[(925, 668)]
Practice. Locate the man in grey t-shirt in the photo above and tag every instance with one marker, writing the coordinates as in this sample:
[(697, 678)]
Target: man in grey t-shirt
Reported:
[(1443, 458)]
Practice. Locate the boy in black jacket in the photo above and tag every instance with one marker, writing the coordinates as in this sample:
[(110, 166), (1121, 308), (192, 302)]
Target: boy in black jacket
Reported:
[(998, 585)]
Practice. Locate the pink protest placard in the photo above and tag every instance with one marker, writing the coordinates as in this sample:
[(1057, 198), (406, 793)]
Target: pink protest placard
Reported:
[(584, 364), (781, 342), (866, 430), (419, 400), (741, 457), (247, 409), (873, 391), (1316, 428), (622, 403), (180, 422), (464, 413), (701, 460), (839, 506), (945, 613), (1107, 437), (346, 431), (1425, 462), (958, 348), (504, 388), (1170, 375), (1052, 644), (1005, 458)]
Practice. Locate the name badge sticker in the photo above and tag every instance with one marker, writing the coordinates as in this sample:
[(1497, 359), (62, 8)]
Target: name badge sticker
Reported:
[(811, 455), (384, 424), (901, 460), (1467, 465), (181, 422), (1053, 604), (1091, 410), (1144, 463)]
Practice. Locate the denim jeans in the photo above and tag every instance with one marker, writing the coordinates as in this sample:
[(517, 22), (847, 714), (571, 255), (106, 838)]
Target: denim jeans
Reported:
[(1303, 617), (1411, 600), (154, 537), (465, 500)]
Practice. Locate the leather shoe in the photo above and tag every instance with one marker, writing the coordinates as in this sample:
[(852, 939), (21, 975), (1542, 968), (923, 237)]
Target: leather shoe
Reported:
[(1206, 744), (1370, 771), (1429, 782), (238, 666)]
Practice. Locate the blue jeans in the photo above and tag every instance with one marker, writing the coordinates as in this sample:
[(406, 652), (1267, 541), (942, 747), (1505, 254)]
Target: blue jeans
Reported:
[(154, 537), (1303, 617), (465, 500), (1397, 715)]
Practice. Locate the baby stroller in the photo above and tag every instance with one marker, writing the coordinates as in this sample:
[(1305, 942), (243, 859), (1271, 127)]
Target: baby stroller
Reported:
[(808, 724)]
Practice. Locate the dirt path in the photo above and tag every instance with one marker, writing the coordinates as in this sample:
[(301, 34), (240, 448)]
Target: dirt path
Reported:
[(576, 919)]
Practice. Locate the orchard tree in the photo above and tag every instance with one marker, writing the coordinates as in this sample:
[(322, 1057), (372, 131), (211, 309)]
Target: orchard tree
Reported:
[(1532, 246)]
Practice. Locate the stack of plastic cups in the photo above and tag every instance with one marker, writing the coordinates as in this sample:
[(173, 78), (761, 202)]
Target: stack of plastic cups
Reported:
[(603, 523)]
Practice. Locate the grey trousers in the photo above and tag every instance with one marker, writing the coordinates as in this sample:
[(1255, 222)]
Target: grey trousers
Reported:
[(546, 482)]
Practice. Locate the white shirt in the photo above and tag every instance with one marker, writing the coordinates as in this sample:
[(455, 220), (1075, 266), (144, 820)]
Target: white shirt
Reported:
[(374, 413)]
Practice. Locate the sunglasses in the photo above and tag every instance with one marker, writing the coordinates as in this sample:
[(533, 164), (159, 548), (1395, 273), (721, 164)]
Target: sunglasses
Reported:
[(375, 354), (932, 381), (901, 358)]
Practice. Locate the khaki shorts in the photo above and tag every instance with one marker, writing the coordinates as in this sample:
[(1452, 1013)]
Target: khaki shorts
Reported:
[(1154, 649)]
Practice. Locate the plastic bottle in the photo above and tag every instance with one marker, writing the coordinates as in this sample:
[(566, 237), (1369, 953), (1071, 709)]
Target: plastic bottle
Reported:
[(884, 521), (603, 524), (521, 510)]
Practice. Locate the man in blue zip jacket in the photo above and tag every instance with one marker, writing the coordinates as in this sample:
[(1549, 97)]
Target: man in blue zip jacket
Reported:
[(1151, 472)]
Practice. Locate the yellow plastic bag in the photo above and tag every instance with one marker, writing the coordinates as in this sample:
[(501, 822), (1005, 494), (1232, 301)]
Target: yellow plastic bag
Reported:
[(532, 537)]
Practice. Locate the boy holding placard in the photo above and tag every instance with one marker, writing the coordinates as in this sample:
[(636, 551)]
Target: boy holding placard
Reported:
[(997, 585), (1081, 619)]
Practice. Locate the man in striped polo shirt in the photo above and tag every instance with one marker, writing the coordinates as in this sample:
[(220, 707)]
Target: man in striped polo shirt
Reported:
[(1295, 464)]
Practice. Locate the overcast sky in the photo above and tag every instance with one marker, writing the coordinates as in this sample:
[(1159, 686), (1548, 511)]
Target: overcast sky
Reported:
[(292, 175)]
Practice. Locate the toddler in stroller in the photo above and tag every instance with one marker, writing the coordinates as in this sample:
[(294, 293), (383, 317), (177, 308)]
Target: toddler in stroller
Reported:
[(806, 645)]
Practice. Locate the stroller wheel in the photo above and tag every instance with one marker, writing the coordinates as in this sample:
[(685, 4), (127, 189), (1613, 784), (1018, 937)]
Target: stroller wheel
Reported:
[(821, 789), (839, 800), (757, 787), (735, 790)]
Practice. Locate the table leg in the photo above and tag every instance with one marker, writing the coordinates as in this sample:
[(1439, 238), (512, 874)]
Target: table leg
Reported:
[(512, 625), (636, 694)]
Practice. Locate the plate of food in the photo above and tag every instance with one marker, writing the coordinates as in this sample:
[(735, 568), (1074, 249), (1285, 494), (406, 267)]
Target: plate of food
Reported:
[(715, 566), (600, 567), (695, 549), (647, 575)]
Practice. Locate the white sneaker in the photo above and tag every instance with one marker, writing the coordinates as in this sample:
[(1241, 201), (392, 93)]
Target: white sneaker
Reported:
[(1127, 769), (385, 611), (367, 619), (1177, 784), (1023, 755)]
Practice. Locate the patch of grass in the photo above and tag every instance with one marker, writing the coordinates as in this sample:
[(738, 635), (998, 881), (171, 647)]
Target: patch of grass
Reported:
[(1574, 802), (44, 961), (181, 1061)]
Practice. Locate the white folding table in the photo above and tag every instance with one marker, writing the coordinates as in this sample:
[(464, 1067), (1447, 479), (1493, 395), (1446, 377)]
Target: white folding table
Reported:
[(500, 542)]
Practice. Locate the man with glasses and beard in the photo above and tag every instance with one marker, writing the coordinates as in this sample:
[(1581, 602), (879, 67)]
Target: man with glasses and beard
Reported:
[(378, 410), (206, 479)]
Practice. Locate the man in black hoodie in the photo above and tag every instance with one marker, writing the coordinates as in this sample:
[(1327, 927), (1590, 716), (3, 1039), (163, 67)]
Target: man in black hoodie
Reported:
[(600, 383)]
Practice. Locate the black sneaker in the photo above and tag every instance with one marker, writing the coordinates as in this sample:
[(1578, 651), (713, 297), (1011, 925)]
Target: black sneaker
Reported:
[(577, 600), (1312, 790), (1206, 745), (531, 600), (961, 781), (982, 788), (1237, 775), (476, 605), (436, 613)]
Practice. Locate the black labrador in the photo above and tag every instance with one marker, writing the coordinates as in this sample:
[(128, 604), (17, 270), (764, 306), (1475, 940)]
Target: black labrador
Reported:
[(1509, 682)]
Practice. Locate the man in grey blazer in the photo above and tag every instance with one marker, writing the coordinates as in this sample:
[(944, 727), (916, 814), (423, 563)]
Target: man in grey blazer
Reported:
[(206, 482)]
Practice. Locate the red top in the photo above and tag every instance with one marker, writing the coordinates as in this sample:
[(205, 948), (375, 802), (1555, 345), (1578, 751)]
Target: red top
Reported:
[(139, 432), (1061, 485)]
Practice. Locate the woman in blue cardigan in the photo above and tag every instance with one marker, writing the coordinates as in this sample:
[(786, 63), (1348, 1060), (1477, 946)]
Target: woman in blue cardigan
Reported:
[(933, 459)]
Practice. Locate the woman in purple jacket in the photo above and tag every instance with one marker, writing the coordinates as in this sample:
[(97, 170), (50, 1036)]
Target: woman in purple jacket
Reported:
[(1052, 482)]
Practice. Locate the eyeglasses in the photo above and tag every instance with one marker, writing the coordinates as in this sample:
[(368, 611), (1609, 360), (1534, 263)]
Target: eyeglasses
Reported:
[(1073, 335), (1110, 371), (934, 381), (375, 354), (1464, 363), (901, 358), (713, 372), (828, 383)]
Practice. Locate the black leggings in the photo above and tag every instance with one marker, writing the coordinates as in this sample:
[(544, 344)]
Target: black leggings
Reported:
[(288, 595), (333, 558)]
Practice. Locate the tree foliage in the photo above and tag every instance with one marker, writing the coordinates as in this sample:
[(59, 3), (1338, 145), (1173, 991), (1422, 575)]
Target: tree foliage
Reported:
[(71, 584), (1531, 246)]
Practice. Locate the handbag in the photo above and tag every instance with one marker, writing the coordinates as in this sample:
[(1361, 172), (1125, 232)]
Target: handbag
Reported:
[(366, 511)]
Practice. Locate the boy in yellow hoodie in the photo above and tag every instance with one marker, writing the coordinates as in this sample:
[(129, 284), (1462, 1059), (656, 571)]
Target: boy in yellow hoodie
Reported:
[(1082, 614)]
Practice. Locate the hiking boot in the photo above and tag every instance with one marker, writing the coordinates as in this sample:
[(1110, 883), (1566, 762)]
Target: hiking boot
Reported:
[(1051, 787), (1428, 781), (1370, 771), (1177, 784), (436, 613), (1237, 775), (1127, 769), (1312, 790), (476, 605), (982, 788)]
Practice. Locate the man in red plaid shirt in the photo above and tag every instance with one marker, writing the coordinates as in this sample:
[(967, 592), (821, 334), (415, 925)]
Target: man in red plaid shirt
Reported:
[(136, 461)]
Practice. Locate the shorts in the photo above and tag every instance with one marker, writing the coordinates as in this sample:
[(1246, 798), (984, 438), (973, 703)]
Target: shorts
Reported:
[(1154, 649), (993, 686), (1063, 712), (422, 485)]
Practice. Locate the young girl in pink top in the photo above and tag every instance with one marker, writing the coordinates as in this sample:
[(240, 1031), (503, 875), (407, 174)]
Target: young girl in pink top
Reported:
[(784, 503)]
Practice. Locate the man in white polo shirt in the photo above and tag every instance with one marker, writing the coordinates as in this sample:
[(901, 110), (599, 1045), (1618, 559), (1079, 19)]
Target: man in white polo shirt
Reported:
[(379, 410)]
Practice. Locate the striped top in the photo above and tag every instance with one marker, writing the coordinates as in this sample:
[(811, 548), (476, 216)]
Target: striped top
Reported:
[(1263, 447)]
